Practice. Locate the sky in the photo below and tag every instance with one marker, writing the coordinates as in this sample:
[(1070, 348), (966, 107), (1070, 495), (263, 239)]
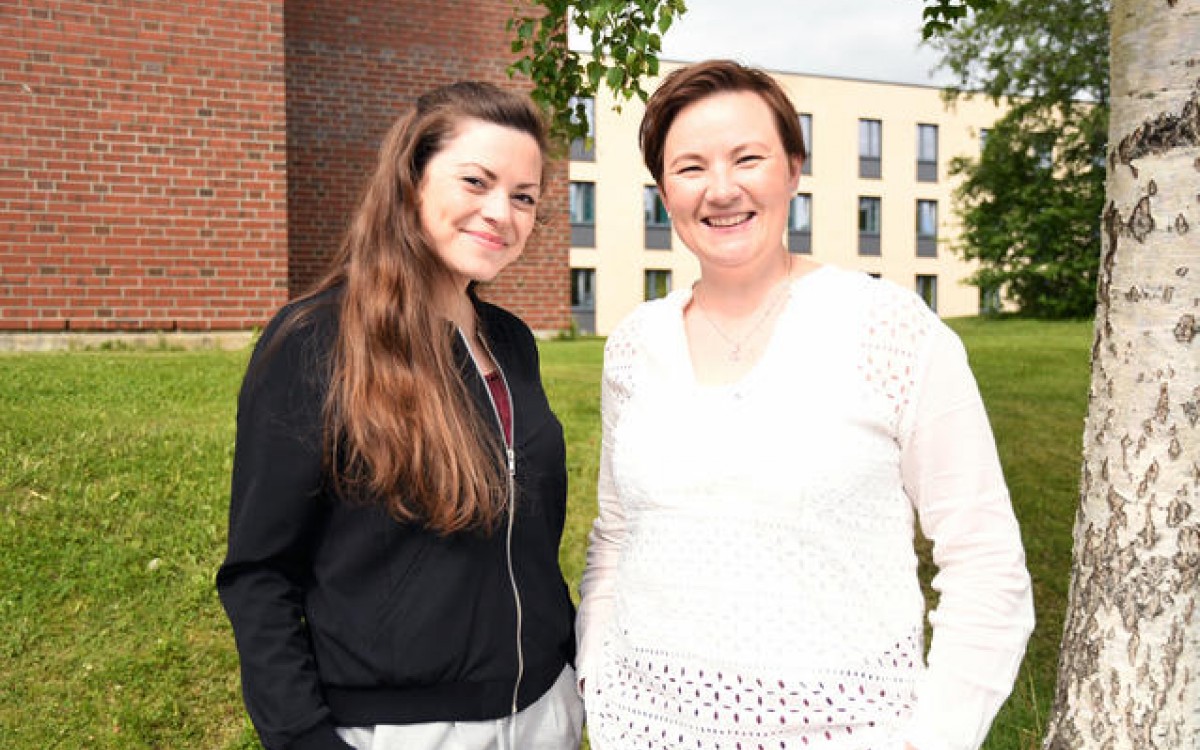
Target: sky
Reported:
[(877, 40)]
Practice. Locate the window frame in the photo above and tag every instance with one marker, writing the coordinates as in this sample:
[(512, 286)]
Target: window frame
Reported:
[(927, 163), (656, 273), (869, 242), (806, 131), (926, 287), (583, 306), (656, 220), (800, 238), (584, 149), (870, 148), (927, 236), (583, 228)]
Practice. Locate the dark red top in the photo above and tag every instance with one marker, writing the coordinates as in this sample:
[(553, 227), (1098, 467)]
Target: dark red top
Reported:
[(503, 407)]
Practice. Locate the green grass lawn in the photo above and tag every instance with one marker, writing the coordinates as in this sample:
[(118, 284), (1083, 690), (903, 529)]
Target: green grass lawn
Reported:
[(114, 474)]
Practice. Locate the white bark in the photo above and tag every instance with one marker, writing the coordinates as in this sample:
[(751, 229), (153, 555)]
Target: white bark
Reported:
[(1129, 670)]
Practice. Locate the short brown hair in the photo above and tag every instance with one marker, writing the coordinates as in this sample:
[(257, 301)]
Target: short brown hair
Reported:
[(689, 84)]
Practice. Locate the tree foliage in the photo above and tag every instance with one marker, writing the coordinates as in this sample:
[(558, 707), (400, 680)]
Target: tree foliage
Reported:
[(624, 41), (1032, 221), (1031, 202), (940, 16), (1031, 225)]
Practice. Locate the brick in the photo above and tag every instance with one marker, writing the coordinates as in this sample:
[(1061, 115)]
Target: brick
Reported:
[(151, 178)]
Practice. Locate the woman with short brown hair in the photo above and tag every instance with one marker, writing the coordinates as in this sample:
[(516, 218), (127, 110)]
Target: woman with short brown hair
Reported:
[(770, 436)]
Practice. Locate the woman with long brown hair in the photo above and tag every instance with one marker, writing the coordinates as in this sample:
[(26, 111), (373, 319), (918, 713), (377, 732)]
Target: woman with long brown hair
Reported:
[(399, 483)]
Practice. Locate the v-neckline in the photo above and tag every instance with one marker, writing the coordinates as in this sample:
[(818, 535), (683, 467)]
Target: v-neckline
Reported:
[(751, 373)]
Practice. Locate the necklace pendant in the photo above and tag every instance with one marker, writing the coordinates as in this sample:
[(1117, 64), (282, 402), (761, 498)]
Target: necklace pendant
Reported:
[(735, 354)]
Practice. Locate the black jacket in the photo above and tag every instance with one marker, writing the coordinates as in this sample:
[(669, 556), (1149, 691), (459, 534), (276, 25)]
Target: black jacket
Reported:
[(343, 616)]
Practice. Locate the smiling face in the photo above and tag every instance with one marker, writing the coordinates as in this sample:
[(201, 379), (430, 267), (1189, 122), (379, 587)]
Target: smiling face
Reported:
[(727, 180), (478, 199)]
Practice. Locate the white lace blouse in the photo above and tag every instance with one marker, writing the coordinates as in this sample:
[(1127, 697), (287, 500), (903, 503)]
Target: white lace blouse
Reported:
[(751, 580)]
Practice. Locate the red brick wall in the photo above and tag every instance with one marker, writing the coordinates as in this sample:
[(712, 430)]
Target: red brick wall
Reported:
[(352, 67), (142, 182), (538, 286), (156, 174)]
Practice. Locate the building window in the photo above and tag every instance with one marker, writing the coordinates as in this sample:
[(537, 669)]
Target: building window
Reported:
[(927, 153), (658, 284), (927, 289), (584, 149), (989, 301), (806, 131), (800, 224), (983, 136), (870, 148), (869, 210), (1043, 150), (927, 226), (658, 223), (583, 299), (583, 214)]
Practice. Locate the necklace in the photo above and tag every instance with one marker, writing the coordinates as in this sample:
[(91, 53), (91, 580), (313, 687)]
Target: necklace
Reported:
[(768, 310)]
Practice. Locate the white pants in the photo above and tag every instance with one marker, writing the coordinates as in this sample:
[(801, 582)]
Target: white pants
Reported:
[(553, 722)]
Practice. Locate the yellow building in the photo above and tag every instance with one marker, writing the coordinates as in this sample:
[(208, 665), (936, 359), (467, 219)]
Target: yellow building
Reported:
[(875, 196)]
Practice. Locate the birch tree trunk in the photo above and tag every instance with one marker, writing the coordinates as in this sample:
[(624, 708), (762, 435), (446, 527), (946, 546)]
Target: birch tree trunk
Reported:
[(1129, 668)]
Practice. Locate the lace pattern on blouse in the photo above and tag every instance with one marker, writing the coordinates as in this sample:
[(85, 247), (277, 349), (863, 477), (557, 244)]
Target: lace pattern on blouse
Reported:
[(761, 592)]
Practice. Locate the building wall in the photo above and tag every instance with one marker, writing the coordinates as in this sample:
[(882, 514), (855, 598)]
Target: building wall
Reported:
[(620, 257), (352, 68), (142, 184), (190, 165)]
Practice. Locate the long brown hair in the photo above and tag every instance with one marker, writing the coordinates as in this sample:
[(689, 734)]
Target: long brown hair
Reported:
[(399, 425), (691, 83)]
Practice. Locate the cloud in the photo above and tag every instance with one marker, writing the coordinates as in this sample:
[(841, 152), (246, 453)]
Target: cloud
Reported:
[(871, 39)]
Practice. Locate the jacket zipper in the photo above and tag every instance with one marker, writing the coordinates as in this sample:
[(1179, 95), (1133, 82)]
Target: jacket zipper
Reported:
[(510, 457)]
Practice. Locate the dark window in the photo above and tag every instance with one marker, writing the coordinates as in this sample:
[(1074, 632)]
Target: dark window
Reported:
[(658, 284), (869, 210), (806, 131), (927, 226), (927, 289), (1043, 149), (870, 148), (927, 153), (583, 214), (658, 222), (989, 301), (583, 299), (800, 224), (584, 149)]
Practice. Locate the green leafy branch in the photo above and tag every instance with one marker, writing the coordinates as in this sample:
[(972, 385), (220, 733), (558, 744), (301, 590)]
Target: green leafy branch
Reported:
[(624, 40), (941, 16)]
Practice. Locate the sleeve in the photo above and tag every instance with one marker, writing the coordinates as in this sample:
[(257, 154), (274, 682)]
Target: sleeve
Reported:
[(985, 611), (275, 511), (608, 531)]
